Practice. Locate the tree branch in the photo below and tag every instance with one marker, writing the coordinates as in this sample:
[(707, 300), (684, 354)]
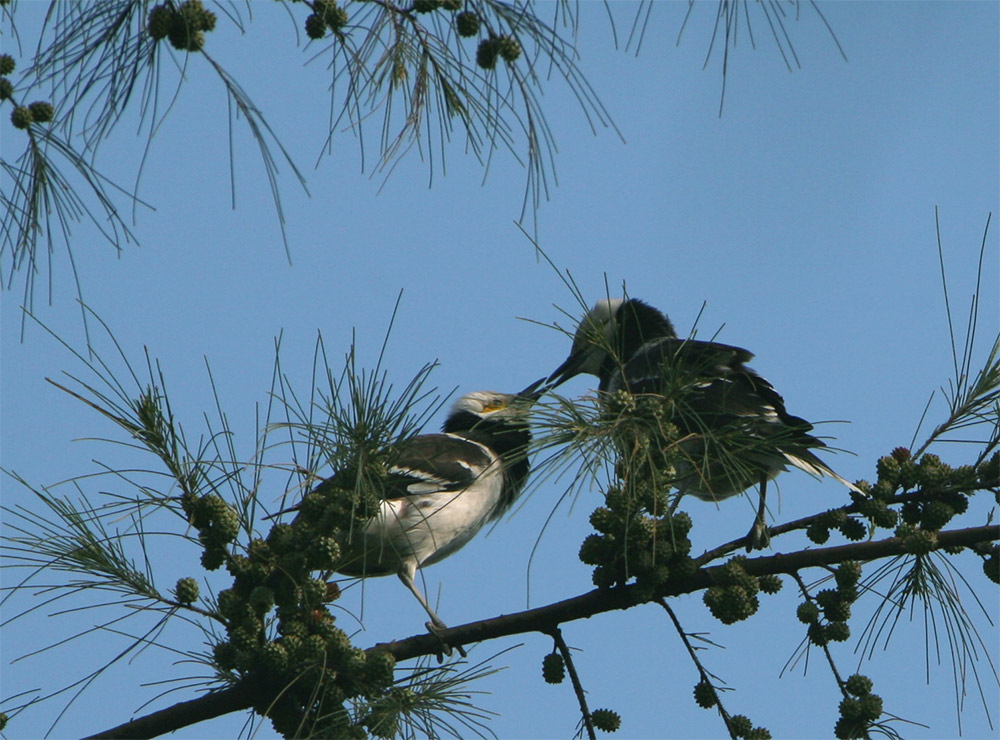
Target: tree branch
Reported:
[(703, 675), (545, 619), (581, 695), (804, 522), (186, 713)]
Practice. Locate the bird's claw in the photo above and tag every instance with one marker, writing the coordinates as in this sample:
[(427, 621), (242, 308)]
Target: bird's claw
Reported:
[(436, 630), (758, 537)]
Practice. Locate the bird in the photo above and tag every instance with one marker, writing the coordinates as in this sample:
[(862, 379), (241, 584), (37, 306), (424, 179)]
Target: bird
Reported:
[(442, 489), (734, 429)]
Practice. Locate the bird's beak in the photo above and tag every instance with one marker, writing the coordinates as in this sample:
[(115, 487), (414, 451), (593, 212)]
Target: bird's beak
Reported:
[(534, 391), (567, 370)]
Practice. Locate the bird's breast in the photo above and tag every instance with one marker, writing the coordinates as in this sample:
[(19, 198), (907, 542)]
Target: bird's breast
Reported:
[(425, 527)]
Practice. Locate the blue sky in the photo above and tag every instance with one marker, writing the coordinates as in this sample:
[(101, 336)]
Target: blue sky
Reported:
[(803, 220)]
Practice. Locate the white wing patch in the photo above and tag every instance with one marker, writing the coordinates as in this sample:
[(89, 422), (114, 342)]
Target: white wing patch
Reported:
[(423, 482)]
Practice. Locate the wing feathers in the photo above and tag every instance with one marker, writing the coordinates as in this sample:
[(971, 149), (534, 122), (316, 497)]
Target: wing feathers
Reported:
[(811, 464), (438, 462)]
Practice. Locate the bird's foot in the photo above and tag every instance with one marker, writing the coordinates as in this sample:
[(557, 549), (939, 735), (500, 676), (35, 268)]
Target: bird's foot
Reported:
[(758, 537), (436, 630)]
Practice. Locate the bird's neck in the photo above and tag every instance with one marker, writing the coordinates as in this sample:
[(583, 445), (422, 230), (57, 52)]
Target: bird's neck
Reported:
[(636, 323), (503, 437)]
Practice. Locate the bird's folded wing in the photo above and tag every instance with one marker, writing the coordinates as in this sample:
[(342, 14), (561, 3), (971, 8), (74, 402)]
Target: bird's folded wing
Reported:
[(686, 360), (725, 384), (694, 356), (436, 462)]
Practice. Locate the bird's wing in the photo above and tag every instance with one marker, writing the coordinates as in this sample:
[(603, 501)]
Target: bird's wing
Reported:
[(427, 463), (656, 362), (436, 462), (718, 393), (716, 380)]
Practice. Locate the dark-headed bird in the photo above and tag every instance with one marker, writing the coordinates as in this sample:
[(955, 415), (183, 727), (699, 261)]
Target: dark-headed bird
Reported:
[(734, 430)]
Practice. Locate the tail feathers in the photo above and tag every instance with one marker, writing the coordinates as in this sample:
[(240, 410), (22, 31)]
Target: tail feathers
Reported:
[(811, 464)]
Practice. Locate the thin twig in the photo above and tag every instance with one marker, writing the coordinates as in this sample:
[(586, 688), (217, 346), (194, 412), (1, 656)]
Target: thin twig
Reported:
[(581, 697), (803, 523), (826, 648), (705, 678)]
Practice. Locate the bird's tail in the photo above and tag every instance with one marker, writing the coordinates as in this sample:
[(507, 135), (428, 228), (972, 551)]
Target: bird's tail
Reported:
[(808, 462)]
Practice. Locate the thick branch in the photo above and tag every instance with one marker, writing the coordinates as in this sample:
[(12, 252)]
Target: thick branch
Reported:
[(184, 714), (545, 619)]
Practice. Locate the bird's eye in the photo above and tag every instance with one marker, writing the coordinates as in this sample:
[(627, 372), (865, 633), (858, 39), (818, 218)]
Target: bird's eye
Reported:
[(491, 407)]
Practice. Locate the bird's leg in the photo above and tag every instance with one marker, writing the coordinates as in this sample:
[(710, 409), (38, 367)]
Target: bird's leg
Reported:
[(435, 626), (757, 537)]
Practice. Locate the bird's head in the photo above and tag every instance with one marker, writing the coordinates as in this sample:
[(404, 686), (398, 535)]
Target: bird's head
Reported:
[(503, 415), (498, 406), (609, 333), (592, 342)]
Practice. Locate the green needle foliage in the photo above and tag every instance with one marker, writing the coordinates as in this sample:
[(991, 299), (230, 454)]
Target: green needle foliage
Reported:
[(270, 624), (264, 615), (630, 449), (427, 75)]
